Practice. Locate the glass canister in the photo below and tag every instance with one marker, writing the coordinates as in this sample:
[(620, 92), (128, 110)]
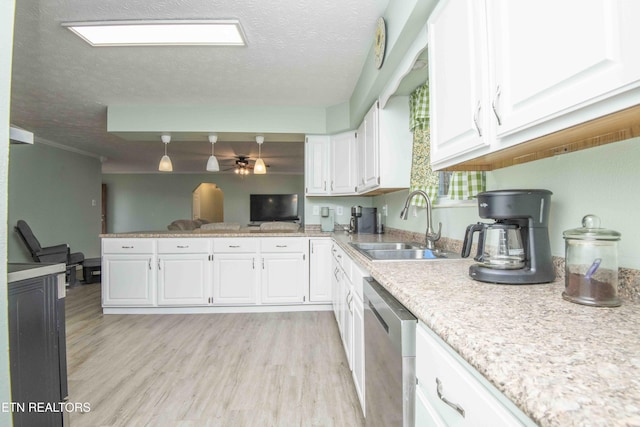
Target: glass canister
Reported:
[(591, 264)]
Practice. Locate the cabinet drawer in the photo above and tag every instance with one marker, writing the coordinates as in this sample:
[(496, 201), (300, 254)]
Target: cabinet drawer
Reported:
[(177, 246), (282, 245), (235, 245), (451, 387), (128, 246)]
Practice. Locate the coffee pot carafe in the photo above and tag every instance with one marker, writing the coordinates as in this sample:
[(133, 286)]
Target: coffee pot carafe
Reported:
[(499, 245), (515, 249)]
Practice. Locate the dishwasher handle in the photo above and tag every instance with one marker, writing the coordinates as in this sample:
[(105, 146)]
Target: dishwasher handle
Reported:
[(380, 319)]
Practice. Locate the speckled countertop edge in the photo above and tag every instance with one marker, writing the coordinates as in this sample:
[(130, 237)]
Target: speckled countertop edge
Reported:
[(563, 364)]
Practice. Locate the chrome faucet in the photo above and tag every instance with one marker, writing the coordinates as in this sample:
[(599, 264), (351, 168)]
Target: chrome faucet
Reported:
[(430, 237)]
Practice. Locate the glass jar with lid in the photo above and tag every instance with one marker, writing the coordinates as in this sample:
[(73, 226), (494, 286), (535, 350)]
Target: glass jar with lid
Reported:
[(591, 264)]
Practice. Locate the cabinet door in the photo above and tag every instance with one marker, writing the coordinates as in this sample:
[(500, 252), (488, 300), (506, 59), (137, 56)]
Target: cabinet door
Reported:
[(320, 270), (128, 280), (358, 348), (316, 170), (343, 163), (458, 73), (562, 68), (346, 312), (368, 150), (235, 279), (184, 279), (335, 290), (283, 278)]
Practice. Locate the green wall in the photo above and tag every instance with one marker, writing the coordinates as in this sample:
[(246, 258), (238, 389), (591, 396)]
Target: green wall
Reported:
[(601, 181), (147, 202), (53, 190)]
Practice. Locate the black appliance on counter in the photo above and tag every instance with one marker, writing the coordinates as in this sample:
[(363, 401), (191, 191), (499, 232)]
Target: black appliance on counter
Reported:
[(519, 251), (363, 220)]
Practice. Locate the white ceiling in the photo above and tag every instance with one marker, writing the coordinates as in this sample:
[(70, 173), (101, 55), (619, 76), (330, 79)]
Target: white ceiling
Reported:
[(299, 53)]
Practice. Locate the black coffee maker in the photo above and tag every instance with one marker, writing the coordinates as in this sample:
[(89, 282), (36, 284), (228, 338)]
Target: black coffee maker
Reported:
[(515, 249), (363, 220)]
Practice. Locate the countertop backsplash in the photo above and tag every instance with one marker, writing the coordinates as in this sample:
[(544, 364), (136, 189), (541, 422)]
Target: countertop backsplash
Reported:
[(628, 279)]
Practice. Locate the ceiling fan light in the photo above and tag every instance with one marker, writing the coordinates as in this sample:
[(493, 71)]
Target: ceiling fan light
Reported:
[(259, 168), (165, 164), (212, 164)]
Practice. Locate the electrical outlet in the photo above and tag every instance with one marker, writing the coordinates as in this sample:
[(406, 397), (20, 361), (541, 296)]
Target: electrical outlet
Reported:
[(338, 210), (385, 210), (93, 202), (316, 210)]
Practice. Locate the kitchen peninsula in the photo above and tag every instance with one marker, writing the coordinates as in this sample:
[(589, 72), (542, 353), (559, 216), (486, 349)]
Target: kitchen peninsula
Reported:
[(561, 363)]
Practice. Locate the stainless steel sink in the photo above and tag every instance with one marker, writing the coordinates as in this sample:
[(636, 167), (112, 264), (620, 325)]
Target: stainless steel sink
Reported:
[(385, 246), (401, 252)]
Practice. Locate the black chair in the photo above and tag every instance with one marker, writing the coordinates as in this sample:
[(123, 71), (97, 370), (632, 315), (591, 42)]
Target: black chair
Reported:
[(51, 254)]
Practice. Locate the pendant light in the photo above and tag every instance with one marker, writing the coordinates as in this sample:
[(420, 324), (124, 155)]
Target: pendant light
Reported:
[(165, 162), (259, 168), (212, 163)]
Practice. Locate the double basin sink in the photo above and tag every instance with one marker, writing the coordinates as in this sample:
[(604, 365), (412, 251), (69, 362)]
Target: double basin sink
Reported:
[(383, 251)]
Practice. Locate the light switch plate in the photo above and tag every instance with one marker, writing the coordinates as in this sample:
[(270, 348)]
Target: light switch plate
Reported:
[(338, 210)]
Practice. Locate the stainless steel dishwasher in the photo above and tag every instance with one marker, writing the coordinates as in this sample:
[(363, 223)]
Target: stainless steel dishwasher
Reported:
[(390, 358)]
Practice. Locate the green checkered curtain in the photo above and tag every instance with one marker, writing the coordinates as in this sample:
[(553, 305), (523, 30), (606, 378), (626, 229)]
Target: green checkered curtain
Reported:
[(422, 176), (466, 185)]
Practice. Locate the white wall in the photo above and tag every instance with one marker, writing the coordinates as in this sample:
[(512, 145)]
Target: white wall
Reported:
[(604, 181), (149, 202), (334, 203)]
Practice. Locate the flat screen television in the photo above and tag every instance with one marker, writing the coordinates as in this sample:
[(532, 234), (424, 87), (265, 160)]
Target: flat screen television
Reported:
[(273, 207)]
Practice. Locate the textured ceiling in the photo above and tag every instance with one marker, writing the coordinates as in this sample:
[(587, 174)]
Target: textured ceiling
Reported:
[(303, 52)]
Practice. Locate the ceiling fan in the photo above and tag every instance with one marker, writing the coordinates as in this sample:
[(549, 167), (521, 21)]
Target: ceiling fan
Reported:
[(241, 165)]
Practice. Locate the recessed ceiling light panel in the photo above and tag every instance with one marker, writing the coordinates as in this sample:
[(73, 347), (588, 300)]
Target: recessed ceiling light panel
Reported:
[(221, 32)]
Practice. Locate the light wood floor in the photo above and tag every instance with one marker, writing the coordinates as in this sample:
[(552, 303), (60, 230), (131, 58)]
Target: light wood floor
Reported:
[(272, 369)]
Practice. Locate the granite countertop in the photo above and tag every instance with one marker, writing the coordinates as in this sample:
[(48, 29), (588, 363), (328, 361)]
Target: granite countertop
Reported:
[(243, 232), (563, 364)]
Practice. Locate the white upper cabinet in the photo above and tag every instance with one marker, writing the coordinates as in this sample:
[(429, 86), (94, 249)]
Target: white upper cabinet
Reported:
[(459, 116), (553, 57), (549, 65), (316, 167), (385, 144), (343, 163), (368, 144)]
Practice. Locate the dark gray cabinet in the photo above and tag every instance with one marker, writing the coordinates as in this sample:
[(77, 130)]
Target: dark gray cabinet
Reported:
[(37, 349)]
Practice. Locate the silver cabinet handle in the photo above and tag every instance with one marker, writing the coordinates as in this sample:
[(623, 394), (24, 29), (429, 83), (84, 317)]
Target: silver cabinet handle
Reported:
[(281, 246), (183, 246), (234, 246), (476, 117), (496, 98), (127, 247), (325, 186), (149, 263), (159, 268), (445, 400)]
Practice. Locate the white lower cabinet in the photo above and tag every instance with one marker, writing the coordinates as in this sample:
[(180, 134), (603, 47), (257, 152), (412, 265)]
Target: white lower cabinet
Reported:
[(196, 272), (128, 280), (283, 278), (128, 272), (184, 272), (235, 279), (450, 392), (285, 271), (357, 303), (348, 308), (320, 270), (184, 279)]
